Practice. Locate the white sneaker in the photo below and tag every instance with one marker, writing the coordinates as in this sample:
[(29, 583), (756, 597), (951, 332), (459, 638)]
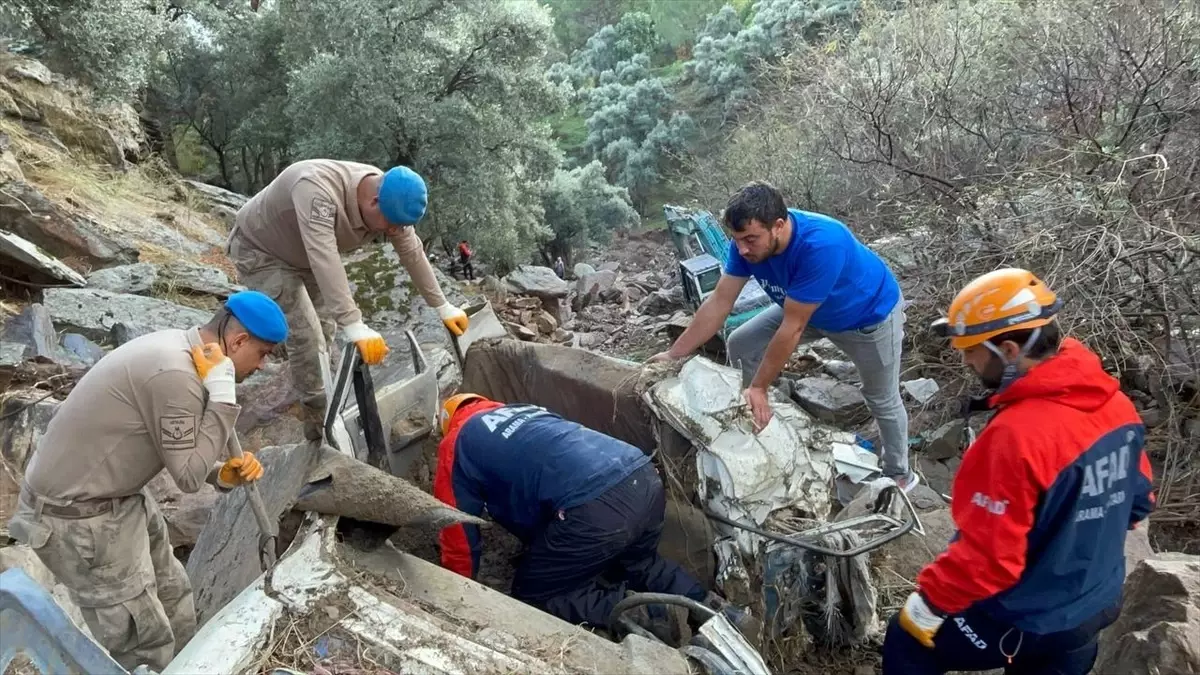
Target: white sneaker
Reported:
[(907, 483)]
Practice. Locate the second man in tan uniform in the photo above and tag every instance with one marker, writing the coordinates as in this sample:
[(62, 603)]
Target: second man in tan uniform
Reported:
[(166, 399), (288, 240)]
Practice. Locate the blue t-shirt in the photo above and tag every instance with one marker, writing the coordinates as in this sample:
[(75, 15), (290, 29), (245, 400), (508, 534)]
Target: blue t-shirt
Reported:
[(824, 264)]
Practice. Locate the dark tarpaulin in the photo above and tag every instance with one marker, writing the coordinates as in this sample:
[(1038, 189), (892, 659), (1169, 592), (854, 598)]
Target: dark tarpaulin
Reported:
[(599, 392)]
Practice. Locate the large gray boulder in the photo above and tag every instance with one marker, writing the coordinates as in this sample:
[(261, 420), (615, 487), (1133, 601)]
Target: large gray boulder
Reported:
[(135, 278), (596, 282), (58, 232), (23, 420), (31, 260), (662, 301), (34, 328), (830, 401), (218, 196), (93, 312), (193, 278), (539, 281), (1158, 632)]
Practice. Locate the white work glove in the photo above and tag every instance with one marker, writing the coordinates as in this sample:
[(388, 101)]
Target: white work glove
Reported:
[(370, 344), (454, 318), (216, 372), (920, 620)]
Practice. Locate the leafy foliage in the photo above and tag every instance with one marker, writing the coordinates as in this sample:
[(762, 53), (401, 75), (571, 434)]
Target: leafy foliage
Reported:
[(457, 90), (581, 206), (606, 50), (1060, 136), (728, 55), (675, 21), (200, 85), (632, 126), (108, 44)]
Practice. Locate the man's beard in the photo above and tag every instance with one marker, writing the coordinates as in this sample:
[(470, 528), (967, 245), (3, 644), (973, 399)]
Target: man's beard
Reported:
[(772, 250), (993, 373)]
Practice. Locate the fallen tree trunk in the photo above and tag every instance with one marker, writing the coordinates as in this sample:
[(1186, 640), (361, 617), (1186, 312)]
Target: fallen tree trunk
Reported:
[(343, 486)]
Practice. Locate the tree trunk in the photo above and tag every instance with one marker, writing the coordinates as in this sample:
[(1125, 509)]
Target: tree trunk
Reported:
[(223, 165)]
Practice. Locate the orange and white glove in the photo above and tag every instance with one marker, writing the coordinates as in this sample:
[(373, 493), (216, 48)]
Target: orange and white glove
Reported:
[(239, 470), (920, 620), (370, 344), (217, 373), (454, 318)]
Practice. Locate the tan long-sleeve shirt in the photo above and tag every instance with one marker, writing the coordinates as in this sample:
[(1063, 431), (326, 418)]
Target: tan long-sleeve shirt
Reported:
[(309, 215), (141, 408)]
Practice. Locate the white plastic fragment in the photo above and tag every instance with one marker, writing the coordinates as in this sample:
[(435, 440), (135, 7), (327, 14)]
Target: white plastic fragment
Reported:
[(746, 476)]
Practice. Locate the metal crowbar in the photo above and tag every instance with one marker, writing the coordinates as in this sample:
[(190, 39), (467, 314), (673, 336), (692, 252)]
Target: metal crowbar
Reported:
[(267, 526)]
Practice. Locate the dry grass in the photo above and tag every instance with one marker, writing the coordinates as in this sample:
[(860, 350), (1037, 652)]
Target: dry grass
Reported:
[(149, 190), (307, 642)]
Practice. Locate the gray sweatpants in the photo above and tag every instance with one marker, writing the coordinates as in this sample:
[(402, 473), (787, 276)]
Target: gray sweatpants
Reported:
[(876, 352)]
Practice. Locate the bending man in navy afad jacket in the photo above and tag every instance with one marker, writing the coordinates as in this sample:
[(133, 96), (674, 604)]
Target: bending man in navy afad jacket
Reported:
[(1042, 501), (584, 504)]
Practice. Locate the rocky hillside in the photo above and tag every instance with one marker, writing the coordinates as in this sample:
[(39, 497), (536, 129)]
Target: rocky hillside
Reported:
[(101, 242)]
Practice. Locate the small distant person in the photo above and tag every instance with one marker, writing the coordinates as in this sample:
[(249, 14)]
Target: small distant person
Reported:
[(560, 268), (464, 256)]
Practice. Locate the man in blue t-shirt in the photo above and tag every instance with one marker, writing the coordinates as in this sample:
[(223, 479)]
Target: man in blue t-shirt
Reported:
[(826, 284)]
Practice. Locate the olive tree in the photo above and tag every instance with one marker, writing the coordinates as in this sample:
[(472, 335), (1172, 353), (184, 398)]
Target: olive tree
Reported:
[(108, 44), (582, 206), (456, 90)]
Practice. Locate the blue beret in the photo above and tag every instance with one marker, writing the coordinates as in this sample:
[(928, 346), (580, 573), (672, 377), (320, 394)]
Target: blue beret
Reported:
[(259, 315), (402, 196)]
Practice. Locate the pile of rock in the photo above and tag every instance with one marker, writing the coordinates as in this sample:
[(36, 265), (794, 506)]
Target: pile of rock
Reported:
[(1159, 627), (530, 319), (603, 309)]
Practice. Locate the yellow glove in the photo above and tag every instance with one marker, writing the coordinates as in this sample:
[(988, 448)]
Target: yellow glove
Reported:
[(919, 620), (217, 373), (454, 318), (240, 470), (370, 344), (206, 358)]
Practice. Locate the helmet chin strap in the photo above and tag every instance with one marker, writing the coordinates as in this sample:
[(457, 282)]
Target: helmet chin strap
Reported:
[(1010, 373), (221, 332)]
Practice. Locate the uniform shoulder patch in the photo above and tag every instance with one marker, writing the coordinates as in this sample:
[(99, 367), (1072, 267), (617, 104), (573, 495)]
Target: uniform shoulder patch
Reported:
[(324, 210), (177, 432)]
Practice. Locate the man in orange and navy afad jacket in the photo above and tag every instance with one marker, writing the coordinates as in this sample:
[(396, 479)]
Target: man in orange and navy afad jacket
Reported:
[(584, 504), (1042, 500)]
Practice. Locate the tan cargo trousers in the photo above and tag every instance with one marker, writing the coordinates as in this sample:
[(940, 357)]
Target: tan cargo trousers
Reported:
[(133, 592), (309, 336)]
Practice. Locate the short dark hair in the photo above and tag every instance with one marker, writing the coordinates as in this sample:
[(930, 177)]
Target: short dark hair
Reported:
[(754, 201), (1045, 345)]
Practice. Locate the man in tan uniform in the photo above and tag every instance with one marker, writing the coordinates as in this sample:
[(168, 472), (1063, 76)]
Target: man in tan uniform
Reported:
[(163, 400), (288, 240)]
